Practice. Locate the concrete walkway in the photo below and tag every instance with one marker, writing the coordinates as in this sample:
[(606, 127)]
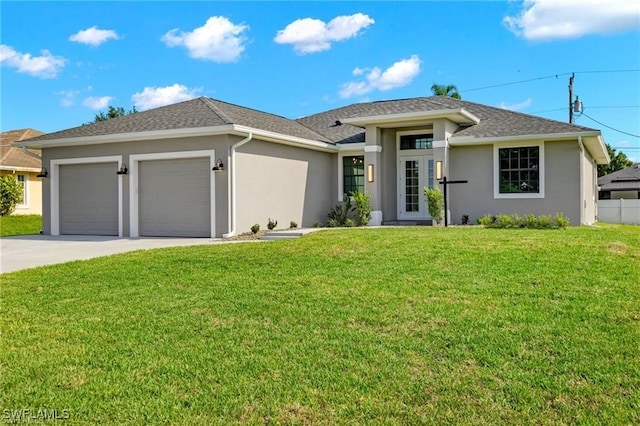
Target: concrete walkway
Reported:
[(30, 251)]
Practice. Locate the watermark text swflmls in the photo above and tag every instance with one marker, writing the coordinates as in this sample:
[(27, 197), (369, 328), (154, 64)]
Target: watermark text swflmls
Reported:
[(27, 415)]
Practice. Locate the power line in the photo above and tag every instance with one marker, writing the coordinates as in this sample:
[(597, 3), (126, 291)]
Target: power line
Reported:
[(609, 127), (590, 107), (547, 77)]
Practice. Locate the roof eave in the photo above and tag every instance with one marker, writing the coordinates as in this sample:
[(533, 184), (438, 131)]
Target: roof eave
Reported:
[(592, 141), (127, 137), (457, 115), (20, 169), (284, 139)]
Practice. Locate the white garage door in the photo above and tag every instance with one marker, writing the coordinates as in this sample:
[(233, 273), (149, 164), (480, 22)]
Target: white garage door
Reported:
[(175, 197), (88, 199)]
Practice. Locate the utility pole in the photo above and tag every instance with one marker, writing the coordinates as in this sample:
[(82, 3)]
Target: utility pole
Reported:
[(571, 98)]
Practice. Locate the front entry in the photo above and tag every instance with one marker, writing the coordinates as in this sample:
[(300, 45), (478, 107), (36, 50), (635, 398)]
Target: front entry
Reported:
[(415, 172)]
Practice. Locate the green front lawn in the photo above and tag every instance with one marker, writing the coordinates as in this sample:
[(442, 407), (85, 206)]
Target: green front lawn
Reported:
[(358, 326), (20, 225)]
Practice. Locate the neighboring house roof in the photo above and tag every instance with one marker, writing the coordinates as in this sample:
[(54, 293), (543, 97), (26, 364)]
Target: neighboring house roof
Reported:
[(338, 126), (622, 180), (13, 158)]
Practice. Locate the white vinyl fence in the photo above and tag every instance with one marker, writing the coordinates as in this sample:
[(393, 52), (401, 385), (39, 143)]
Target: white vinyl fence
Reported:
[(619, 211)]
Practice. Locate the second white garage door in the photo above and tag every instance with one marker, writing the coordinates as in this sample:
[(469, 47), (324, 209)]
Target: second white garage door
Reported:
[(175, 197)]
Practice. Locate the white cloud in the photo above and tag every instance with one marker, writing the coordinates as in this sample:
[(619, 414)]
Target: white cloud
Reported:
[(218, 40), (557, 19), (517, 107), (310, 35), (93, 36), (44, 66), (68, 97), (154, 97), (95, 102), (358, 71), (399, 74)]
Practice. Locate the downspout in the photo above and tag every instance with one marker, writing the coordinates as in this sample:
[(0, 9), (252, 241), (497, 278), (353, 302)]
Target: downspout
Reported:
[(231, 189), (584, 201)]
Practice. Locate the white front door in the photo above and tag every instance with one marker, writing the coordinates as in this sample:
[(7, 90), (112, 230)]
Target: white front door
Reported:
[(415, 172)]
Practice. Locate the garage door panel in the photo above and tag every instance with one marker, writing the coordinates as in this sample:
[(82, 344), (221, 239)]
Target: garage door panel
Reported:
[(175, 197), (88, 199)]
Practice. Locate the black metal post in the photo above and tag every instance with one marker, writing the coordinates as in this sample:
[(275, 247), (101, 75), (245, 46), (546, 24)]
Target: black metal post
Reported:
[(444, 183)]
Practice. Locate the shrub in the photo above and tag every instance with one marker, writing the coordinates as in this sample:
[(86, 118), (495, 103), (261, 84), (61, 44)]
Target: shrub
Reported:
[(561, 221), (339, 213), (505, 221), (316, 224), (465, 219), (255, 228), (486, 220), (362, 207), (271, 224), (435, 203), (10, 194), (293, 224)]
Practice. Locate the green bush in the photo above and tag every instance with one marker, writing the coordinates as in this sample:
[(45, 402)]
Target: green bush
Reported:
[(505, 221), (435, 203), (316, 224), (293, 224), (10, 194), (255, 228), (271, 224), (362, 207), (339, 213)]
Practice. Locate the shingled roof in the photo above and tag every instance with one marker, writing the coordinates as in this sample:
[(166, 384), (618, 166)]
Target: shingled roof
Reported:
[(199, 112), (621, 180), (14, 158), (324, 127), (494, 122)]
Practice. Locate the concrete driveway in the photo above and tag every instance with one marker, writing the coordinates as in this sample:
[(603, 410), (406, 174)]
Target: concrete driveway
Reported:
[(29, 251)]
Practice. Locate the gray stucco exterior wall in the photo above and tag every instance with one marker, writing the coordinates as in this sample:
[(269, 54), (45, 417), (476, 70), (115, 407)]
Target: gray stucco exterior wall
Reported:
[(476, 198), (284, 183)]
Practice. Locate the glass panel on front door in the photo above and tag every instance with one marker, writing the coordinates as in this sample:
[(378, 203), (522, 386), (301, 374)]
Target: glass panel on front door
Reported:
[(412, 186)]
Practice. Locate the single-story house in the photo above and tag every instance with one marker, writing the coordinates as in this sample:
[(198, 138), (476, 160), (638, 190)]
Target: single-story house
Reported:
[(206, 168), (623, 183), (24, 166)]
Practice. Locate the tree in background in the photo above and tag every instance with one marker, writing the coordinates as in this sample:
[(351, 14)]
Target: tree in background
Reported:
[(449, 90), (112, 112), (10, 194), (619, 161)]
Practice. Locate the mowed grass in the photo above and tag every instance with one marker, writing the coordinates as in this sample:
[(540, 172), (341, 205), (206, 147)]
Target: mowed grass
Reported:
[(20, 225), (359, 326)]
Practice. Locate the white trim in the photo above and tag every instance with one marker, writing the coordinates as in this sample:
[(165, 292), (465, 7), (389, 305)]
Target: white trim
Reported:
[(496, 171), (182, 133), (373, 148), (25, 190), (358, 146), (20, 169), (232, 204), (54, 176), (134, 219), (341, 155), (471, 140), (457, 115), (439, 144)]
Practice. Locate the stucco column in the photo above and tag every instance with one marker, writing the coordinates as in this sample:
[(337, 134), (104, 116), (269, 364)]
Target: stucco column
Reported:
[(442, 130), (373, 159)]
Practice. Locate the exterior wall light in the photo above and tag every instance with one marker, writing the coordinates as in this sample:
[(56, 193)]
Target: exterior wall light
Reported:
[(123, 169), (43, 173), (369, 172), (219, 166), (439, 170)]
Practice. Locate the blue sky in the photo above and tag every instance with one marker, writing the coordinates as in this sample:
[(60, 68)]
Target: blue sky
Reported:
[(61, 62)]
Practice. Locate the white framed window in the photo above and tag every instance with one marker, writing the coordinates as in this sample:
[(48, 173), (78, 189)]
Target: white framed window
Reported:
[(22, 180), (518, 170)]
